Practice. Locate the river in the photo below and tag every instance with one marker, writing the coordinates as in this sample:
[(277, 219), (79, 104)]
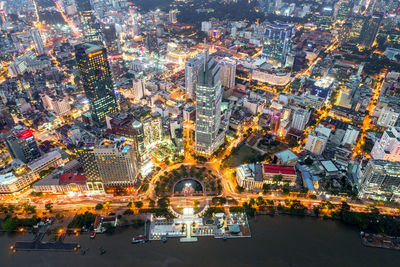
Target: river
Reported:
[(276, 241)]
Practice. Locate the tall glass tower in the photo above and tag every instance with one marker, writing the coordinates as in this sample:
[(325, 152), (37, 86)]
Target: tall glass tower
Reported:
[(277, 42), (96, 80), (208, 135), (90, 25)]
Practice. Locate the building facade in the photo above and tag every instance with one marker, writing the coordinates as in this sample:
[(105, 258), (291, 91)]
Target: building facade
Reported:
[(97, 81), (277, 42), (21, 144), (192, 67), (380, 179), (90, 26), (388, 147), (208, 135)]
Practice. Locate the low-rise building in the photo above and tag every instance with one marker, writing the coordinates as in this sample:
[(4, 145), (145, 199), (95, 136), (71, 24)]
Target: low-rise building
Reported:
[(253, 176)]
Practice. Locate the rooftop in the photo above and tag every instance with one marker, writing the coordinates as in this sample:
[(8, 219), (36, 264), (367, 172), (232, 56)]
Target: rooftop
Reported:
[(279, 169)]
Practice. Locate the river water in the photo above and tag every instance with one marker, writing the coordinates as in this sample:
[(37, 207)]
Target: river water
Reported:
[(276, 241)]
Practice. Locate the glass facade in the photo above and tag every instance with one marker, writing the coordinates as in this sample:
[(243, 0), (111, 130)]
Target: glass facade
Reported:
[(277, 42), (96, 80)]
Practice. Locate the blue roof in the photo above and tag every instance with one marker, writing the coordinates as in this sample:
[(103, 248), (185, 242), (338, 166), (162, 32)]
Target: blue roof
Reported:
[(308, 179), (234, 228), (286, 155)]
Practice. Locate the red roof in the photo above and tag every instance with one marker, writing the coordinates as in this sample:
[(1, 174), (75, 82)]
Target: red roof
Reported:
[(72, 177), (279, 169)]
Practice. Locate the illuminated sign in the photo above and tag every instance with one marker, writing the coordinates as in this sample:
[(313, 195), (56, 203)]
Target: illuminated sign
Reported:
[(95, 53), (26, 134)]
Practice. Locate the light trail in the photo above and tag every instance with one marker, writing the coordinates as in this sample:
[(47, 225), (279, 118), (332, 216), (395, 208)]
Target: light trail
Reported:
[(367, 119), (69, 22)]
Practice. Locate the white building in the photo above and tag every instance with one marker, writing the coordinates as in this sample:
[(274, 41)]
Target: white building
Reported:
[(61, 105), (388, 117), (380, 179), (228, 72), (388, 147), (300, 119), (206, 26), (139, 89), (38, 41), (351, 135), (316, 143)]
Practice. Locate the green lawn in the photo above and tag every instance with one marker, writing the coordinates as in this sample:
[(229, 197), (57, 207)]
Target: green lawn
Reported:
[(238, 158)]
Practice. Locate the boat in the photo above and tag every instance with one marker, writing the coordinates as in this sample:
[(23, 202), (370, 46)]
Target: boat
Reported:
[(164, 239), (139, 239), (102, 250), (92, 235)]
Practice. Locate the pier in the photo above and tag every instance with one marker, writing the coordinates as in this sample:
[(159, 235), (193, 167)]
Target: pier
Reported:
[(38, 245)]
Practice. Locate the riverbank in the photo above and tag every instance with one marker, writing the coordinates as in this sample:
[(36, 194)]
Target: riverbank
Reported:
[(276, 241)]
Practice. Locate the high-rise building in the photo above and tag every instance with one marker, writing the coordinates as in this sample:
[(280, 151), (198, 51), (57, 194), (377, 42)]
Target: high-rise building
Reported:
[(324, 18), (369, 31), (277, 42), (388, 117), (192, 67), (21, 144), (90, 26), (357, 23), (316, 142), (152, 129), (380, 179), (344, 33), (38, 41), (6, 120), (110, 37), (351, 135), (60, 105), (300, 119), (139, 88), (228, 72), (112, 164), (96, 80), (172, 16), (208, 135), (126, 126), (388, 147), (342, 10)]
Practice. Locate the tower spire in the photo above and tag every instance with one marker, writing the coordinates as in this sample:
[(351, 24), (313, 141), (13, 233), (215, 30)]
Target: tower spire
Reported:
[(205, 54)]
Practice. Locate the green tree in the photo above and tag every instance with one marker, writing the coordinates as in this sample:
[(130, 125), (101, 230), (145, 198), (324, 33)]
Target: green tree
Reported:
[(49, 207), (138, 204), (260, 201), (99, 206), (163, 202), (10, 224)]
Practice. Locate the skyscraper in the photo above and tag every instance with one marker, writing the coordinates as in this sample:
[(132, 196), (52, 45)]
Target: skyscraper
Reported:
[(369, 31), (342, 10), (277, 42), (208, 135), (300, 119), (90, 26), (38, 41), (228, 72), (357, 23), (21, 144), (192, 67), (97, 81)]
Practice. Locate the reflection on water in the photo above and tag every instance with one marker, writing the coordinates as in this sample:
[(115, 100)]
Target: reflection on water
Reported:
[(276, 241)]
